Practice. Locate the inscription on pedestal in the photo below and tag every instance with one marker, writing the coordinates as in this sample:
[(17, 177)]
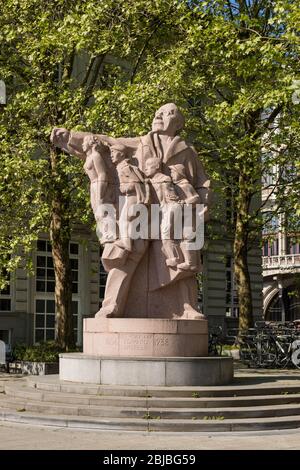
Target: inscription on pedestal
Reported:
[(136, 342), (161, 341)]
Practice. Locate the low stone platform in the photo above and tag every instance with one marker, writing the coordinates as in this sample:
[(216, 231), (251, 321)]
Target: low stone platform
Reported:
[(145, 337), (255, 401), (157, 371)]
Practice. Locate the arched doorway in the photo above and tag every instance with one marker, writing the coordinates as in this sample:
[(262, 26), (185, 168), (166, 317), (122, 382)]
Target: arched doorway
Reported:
[(291, 299)]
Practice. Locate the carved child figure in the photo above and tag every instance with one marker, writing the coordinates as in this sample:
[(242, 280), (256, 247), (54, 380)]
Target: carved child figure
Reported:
[(188, 195), (132, 186), (168, 200), (186, 191), (96, 166)]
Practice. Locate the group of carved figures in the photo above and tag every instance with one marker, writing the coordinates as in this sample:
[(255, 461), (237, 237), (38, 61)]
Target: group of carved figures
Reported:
[(147, 276)]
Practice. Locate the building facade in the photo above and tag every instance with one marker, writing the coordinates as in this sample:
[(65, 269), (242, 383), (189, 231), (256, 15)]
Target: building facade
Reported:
[(281, 260)]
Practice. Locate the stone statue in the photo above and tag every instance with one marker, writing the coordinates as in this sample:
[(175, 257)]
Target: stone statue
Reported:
[(148, 277)]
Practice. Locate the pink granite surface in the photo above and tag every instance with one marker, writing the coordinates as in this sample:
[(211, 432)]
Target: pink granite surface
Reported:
[(142, 337)]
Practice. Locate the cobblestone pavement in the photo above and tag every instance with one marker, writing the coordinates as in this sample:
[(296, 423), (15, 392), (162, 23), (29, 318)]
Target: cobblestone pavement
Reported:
[(21, 436)]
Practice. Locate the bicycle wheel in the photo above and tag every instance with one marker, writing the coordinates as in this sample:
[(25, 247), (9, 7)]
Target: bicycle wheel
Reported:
[(283, 351), (248, 352), (266, 352)]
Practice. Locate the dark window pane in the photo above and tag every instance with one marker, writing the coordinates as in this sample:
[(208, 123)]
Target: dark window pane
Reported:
[(49, 262), (5, 305), (75, 321), (6, 290), (74, 275), (102, 290), (50, 273), (41, 261), (74, 288), (40, 286), (50, 286), (39, 321), (49, 249), (74, 308), (74, 263), (5, 275), (39, 335), (50, 321), (50, 306), (41, 245), (50, 334), (74, 248), (40, 306), (4, 336), (41, 273)]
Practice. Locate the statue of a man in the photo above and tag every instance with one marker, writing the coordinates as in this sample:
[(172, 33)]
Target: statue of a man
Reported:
[(145, 286)]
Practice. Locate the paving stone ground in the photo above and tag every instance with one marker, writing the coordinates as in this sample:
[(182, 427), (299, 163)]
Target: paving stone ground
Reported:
[(17, 437)]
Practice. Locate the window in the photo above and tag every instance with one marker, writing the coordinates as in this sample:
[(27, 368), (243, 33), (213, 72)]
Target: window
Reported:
[(5, 296), (44, 320), (271, 247), (269, 178), (5, 335), (75, 317), (232, 308), (45, 277), (271, 222), (44, 324), (293, 247)]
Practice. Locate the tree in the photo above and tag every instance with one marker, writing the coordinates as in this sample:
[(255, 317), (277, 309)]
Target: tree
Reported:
[(57, 59), (251, 53), (106, 66), (232, 67)]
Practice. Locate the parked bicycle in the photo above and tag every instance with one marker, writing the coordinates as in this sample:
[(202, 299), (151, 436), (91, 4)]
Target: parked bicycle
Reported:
[(271, 345)]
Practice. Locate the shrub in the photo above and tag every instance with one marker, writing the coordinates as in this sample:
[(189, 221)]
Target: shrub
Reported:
[(47, 351)]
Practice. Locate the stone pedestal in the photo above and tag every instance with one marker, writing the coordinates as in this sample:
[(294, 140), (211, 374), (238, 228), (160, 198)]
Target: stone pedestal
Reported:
[(151, 371), (145, 337), (145, 351)]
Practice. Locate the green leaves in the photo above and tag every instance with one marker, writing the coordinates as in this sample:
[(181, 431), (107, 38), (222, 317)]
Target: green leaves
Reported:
[(106, 66)]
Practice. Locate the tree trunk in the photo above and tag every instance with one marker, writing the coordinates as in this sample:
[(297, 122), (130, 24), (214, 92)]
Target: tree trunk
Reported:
[(60, 238), (240, 250)]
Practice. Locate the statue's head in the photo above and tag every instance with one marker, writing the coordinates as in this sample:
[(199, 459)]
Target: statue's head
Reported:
[(118, 152), (89, 142), (168, 120), (152, 166)]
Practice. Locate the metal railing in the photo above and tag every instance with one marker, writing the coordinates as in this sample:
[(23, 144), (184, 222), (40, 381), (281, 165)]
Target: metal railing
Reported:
[(281, 262)]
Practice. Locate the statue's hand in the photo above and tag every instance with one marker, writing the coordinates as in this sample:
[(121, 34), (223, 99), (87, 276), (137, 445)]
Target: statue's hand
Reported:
[(172, 197), (59, 136)]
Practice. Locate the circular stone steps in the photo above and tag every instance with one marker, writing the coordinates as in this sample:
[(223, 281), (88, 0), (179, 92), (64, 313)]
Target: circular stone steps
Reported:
[(251, 403)]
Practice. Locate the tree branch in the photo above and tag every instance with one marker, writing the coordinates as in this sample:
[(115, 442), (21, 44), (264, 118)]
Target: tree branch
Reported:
[(90, 66), (93, 79), (140, 56), (69, 66)]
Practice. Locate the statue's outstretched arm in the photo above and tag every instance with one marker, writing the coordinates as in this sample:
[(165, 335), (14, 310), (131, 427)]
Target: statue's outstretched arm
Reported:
[(71, 141), (68, 141)]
